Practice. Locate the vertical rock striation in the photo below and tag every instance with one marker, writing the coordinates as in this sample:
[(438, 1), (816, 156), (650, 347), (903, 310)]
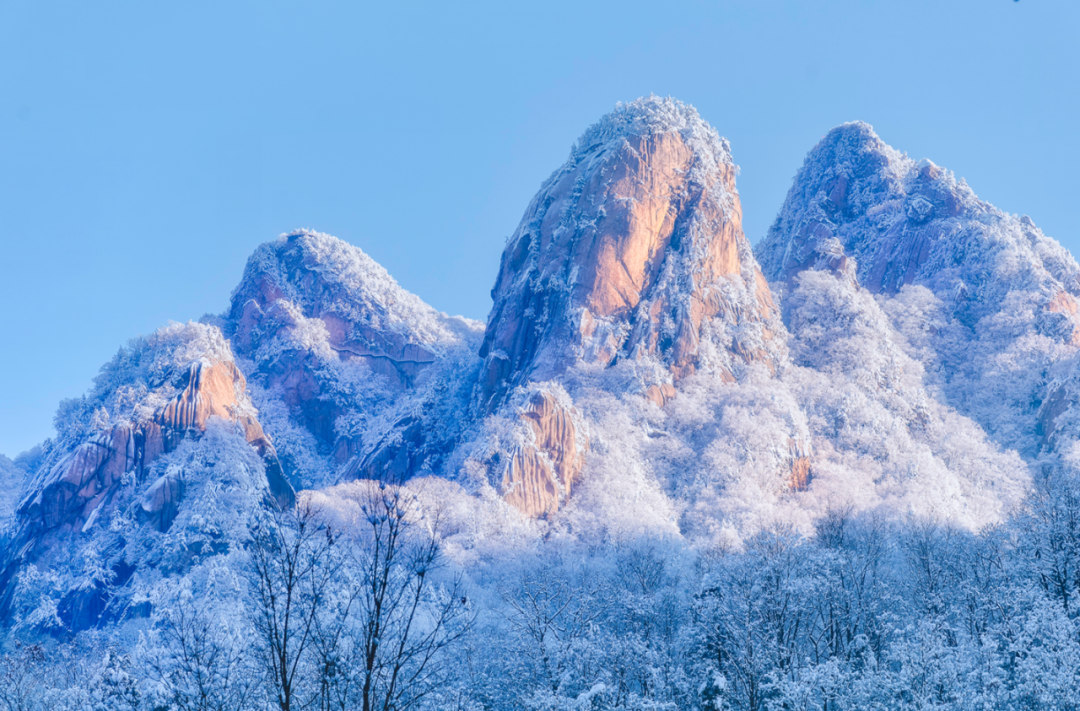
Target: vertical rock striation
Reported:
[(112, 481)]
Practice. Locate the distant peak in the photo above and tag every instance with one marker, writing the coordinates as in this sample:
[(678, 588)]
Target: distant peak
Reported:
[(857, 130)]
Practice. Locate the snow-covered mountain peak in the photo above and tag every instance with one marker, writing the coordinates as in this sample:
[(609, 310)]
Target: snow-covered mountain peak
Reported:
[(990, 300), (904, 222), (634, 248), (644, 116), (145, 448), (653, 116), (328, 277), (341, 357)]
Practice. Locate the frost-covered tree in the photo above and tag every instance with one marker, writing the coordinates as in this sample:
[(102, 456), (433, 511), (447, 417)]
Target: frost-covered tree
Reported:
[(352, 607), (200, 662), (295, 560)]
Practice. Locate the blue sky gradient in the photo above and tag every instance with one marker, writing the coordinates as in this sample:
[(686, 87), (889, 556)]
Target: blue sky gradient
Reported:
[(147, 148)]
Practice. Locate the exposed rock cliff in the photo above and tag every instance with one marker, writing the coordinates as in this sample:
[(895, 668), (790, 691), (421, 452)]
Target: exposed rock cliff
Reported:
[(633, 249), (546, 465), (69, 490), (156, 394)]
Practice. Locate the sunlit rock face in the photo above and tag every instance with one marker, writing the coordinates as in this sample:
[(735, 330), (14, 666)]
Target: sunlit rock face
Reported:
[(544, 468), (114, 477), (70, 492), (986, 299), (88, 473), (633, 249)]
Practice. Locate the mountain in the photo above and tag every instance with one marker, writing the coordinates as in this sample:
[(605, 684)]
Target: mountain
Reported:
[(354, 375), (155, 469), (894, 347), (986, 302), (633, 249)]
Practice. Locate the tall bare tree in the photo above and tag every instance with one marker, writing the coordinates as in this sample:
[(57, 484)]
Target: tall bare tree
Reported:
[(407, 623), (358, 614), (295, 562)]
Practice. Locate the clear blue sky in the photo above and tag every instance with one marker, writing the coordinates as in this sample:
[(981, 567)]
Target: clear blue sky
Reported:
[(147, 148)]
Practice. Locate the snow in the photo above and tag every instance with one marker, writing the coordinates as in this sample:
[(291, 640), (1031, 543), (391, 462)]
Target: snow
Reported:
[(360, 289), (932, 561)]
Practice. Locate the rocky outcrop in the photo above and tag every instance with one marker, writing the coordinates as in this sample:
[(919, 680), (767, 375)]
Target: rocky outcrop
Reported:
[(633, 249), (660, 394), (70, 493), (167, 438), (799, 456), (543, 470)]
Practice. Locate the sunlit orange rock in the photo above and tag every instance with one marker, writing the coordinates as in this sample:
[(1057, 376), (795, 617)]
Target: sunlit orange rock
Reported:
[(91, 474), (628, 251), (541, 474)]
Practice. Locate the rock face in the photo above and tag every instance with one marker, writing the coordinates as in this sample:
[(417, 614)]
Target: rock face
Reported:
[(156, 395), (633, 249), (543, 470), (68, 493), (347, 358)]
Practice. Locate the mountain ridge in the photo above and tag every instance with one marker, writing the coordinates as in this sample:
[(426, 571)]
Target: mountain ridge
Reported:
[(638, 372)]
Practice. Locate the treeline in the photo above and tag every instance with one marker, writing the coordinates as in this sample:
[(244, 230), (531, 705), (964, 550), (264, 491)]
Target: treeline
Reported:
[(866, 614)]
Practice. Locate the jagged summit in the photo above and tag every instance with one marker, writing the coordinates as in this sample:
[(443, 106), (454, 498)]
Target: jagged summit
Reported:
[(631, 249)]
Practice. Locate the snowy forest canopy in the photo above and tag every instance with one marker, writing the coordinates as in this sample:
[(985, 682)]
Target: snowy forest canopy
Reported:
[(867, 613)]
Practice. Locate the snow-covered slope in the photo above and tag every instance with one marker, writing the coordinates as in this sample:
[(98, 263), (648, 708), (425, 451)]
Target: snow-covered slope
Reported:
[(157, 469), (984, 300), (354, 375)]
